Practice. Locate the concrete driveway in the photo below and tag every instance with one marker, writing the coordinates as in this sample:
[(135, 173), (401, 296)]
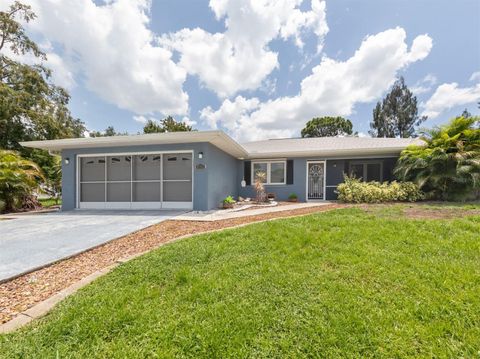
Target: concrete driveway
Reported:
[(30, 241)]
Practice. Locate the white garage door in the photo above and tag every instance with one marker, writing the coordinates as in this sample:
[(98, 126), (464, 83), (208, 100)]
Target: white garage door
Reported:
[(135, 181)]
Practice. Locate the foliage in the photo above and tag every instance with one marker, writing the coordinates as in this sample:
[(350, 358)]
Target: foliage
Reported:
[(397, 115), (341, 284), (327, 126), (49, 202), (166, 125), (229, 200), (293, 196), (447, 165), (258, 185), (19, 177), (31, 107), (109, 131), (353, 190)]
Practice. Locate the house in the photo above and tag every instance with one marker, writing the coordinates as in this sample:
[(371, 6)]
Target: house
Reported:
[(196, 170)]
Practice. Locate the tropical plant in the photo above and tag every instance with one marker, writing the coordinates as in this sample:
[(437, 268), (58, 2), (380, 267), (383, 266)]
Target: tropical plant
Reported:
[(260, 178), (19, 177), (354, 190), (327, 126), (447, 165), (397, 115)]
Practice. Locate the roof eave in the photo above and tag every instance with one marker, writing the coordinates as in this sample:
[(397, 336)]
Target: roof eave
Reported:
[(387, 151)]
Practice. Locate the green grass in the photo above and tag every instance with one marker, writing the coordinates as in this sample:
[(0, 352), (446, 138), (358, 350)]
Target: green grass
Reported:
[(49, 202), (344, 283)]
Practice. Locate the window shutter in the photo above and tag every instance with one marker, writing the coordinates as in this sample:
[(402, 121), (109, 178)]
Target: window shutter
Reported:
[(289, 171), (247, 172)]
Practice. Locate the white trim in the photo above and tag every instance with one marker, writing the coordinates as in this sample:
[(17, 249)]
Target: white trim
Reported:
[(177, 205), (324, 181), (269, 172), (132, 205)]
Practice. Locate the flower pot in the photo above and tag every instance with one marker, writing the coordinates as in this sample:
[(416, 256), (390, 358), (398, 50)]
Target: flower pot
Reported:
[(227, 205), (293, 200)]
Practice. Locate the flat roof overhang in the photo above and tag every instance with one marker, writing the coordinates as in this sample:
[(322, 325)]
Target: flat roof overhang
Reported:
[(333, 153), (216, 138)]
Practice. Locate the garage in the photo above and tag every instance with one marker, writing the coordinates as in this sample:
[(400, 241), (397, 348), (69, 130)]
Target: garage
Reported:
[(148, 180)]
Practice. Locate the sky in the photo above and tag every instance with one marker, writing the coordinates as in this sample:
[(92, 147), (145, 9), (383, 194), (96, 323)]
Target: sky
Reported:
[(258, 69)]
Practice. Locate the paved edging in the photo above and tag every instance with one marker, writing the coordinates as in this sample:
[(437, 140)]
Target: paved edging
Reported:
[(42, 308)]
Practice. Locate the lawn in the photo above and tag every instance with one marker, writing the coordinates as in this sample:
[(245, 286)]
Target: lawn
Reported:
[(345, 283), (49, 202)]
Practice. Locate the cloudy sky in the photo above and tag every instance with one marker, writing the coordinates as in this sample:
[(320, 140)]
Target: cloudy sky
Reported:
[(258, 68)]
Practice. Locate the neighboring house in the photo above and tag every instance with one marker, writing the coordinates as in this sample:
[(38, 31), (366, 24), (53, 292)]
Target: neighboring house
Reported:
[(196, 170)]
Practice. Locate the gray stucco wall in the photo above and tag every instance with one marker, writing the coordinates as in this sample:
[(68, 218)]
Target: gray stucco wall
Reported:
[(210, 185), (335, 170)]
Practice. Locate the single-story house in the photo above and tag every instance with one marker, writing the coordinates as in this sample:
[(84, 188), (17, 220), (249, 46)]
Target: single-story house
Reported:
[(197, 170)]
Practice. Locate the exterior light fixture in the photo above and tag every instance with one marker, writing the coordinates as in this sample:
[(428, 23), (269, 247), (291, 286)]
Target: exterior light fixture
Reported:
[(200, 155), (67, 160)]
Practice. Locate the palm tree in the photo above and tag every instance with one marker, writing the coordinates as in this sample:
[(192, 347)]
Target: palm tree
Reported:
[(18, 178), (447, 166)]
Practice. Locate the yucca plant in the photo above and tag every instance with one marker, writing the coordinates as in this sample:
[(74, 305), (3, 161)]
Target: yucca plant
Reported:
[(18, 178), (447, 165)]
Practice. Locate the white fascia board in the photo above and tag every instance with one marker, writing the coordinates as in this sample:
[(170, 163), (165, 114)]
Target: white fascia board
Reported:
[(218, 138), (390, 151)]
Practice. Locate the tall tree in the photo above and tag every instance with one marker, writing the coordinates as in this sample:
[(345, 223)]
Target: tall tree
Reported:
[(109, 131), (166, 125), (327, 126), (31, 106), (397, 115)]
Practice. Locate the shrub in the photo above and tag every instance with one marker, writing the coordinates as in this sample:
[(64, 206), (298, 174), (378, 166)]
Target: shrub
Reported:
[(352, 190), (19, 178), (229, 200), (292, 196)]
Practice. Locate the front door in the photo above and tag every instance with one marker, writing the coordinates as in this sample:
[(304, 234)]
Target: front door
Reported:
[(315, 180)]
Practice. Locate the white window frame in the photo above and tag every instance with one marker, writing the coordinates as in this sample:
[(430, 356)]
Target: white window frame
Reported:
[(365, 167), (269, 165)]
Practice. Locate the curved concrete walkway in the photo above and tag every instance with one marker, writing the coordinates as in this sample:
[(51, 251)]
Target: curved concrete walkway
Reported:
[(30, 241)]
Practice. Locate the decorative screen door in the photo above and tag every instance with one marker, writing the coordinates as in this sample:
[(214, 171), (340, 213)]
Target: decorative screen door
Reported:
[(315, 180)]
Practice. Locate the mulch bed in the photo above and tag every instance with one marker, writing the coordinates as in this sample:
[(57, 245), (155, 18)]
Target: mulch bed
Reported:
[(19, 294)]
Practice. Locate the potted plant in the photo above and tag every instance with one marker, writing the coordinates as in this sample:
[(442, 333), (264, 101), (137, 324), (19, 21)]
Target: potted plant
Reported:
[(228, 202), (293, 197)]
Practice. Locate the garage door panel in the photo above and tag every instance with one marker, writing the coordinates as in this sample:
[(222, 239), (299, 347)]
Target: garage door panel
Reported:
[(146, 167), (177, 166), (177, 191), (118, 192), (92, 192), (92, 169), (146, 192), (118, 168)]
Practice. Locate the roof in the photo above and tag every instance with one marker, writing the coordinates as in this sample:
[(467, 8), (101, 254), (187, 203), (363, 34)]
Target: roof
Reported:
[(327, 146), (218, 138), (288, 147)]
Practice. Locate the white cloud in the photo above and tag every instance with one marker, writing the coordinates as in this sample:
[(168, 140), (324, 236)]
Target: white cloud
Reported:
[(140, 119), (111, 47), (333, 88), (424, 85), (475, 76), (449, 95), (240, 59)]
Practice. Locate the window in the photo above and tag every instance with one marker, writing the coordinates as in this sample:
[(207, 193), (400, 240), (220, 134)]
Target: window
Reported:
[(367, 171), (274, 172)]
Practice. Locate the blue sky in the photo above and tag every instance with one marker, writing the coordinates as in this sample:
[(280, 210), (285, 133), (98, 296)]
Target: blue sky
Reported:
[(249, 83)]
